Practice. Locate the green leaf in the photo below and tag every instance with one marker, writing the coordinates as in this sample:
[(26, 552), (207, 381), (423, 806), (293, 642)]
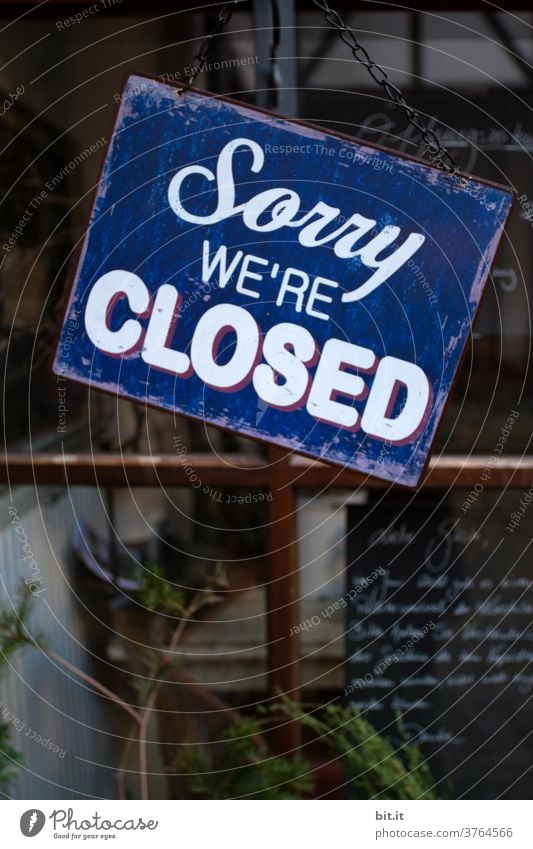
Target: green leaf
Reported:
[(239, 765)]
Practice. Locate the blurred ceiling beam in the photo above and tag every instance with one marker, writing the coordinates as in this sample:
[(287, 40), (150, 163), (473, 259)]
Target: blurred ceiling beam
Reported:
[(152, 8)]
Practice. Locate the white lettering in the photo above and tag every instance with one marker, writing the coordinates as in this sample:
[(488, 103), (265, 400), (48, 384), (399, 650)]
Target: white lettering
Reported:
[(251, 275), (297, 289), (391, 375), (225, 272), (104, 296), (330, 379), (225, 352), (289, 364), (280, 207), (210, 331), (316, 295), (159, 334), (224, 180)]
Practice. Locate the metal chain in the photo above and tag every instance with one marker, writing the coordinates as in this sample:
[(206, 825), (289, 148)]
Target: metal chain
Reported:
[(437, 153), (224, 17)]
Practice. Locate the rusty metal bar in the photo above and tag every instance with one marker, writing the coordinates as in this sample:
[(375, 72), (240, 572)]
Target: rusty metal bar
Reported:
[(283, 598), (235, 470)]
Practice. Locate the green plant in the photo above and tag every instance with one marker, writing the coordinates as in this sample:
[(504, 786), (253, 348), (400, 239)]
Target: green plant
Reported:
[(238, 764), (248, 769), (10, 758), (13, 632), (13, 636), (158, 595), (173, 613), (373, 765)]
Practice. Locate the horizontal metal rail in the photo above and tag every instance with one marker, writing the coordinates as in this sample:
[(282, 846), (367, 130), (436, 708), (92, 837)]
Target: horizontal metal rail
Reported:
[(235, 470)]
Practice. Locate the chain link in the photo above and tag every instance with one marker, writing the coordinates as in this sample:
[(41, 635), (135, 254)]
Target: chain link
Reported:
[(224, 17), (438, 154)]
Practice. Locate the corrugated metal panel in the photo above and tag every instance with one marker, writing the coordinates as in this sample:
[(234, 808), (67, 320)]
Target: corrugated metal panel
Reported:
[(51, 708)]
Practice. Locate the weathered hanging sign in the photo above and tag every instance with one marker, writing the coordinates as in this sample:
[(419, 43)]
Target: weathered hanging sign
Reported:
[(278, 280)]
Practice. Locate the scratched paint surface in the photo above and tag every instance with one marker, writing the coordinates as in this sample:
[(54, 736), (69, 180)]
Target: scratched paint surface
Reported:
[(421, 314)]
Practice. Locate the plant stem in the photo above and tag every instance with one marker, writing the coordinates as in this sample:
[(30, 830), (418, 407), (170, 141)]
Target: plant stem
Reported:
[(188, 613), (121, 772), (93, 683)]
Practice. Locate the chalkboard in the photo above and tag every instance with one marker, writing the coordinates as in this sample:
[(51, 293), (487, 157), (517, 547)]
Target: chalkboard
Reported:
[(443, 635)]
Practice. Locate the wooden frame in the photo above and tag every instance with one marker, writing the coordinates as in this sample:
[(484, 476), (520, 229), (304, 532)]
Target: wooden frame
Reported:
[(11, 8)]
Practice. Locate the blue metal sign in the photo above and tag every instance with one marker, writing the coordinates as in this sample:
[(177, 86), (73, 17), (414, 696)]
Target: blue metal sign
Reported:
[(278, 280)]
